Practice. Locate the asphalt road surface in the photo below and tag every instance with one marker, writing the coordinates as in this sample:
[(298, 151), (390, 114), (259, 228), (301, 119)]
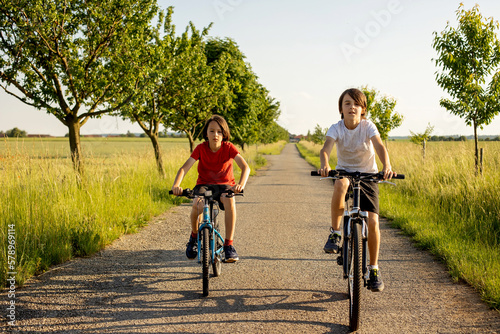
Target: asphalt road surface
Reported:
[(283, 283)]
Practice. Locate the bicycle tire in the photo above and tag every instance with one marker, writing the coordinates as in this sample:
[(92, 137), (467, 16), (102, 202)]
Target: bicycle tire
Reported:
[(205, 236), (217, 260), (345, 248), (355, 280)]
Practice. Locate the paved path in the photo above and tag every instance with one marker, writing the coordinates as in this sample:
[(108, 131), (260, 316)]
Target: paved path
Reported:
[(284, 282)]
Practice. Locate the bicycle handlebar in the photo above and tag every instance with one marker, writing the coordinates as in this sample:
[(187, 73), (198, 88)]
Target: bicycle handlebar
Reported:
[(190, 194), (341, 173), (185, 192)]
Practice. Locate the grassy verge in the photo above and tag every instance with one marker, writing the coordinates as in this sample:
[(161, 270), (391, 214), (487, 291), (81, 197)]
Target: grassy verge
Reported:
[(49, 217), (446, 209)]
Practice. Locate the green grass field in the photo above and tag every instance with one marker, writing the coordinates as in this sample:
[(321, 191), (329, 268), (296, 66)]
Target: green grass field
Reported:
[(48, 217), (445, 208)]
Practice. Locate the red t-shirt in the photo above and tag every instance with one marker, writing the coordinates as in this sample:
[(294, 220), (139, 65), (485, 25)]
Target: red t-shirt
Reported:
[(215, 167)]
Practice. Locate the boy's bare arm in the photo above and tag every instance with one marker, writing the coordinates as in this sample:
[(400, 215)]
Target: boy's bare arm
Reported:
[(324, 156), (383, 155), (176, 188), (245, 173)]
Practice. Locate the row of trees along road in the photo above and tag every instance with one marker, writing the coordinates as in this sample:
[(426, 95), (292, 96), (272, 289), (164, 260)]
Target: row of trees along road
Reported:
[(83, 59)]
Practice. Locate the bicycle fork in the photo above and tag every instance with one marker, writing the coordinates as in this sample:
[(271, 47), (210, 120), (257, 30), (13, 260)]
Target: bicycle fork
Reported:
[(342, 259), (206, 224)]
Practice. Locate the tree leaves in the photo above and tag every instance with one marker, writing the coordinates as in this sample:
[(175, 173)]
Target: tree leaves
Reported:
[(468, 55), (381, 112)]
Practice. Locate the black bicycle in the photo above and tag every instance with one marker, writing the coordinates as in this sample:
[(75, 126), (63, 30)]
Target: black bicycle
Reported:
[(353, 253), (210, 241)]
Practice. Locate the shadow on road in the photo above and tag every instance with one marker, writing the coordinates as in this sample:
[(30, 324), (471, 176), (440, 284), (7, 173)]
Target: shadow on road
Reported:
[(153, 288)]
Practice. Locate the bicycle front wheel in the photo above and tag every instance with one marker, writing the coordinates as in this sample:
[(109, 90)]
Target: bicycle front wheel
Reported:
[(218, 244), (205, 260), (355, 275)]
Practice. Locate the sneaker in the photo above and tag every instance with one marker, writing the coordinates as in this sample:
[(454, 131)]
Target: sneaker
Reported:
[(333, 243), (375, 283), (192, 248), (230, 254)]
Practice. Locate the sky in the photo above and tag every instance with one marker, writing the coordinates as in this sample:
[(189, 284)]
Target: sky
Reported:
[(306, 53)]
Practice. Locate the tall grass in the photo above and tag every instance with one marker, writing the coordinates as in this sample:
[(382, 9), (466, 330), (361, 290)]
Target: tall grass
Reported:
[(57, 217), (447, 209)]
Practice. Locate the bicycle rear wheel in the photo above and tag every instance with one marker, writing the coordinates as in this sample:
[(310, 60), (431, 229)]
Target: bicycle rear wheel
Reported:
[(205, 260), (355, 275)]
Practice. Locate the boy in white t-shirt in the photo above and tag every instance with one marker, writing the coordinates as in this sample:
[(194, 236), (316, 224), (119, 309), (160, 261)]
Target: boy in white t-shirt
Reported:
[(357, 142)]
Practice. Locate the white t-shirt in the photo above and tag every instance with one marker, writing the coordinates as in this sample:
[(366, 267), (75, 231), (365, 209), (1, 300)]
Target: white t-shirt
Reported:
[(355, 151)]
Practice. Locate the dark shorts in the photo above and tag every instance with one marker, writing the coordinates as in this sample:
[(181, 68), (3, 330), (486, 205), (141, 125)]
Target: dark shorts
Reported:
[(368, 196), (217, 189)]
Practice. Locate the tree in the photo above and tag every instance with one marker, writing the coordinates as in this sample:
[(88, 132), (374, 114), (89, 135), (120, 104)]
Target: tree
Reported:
[(268, 131), (15, 132), (273, 133), (381, 112), (254, 117), (73, 58), (145, 108), (192, 88), (469, 55), (422, 138), (319, 135), (249, 109)]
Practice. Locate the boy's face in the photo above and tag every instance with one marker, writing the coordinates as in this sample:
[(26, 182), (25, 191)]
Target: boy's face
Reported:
[(351, 110), (214, 133)]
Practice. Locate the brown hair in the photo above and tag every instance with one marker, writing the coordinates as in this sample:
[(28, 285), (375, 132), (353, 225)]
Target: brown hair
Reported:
[(358, 96), (226, 134)]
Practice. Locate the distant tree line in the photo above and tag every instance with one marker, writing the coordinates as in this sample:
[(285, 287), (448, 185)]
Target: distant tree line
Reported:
[(461, 138), (15, 132)]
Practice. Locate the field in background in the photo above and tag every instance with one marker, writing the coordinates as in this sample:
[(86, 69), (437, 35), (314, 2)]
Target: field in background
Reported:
[(445, 207), (52, 217)]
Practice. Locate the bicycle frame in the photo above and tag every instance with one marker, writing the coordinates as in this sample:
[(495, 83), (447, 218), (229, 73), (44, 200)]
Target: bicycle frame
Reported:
[(354, 215), (209, 215)]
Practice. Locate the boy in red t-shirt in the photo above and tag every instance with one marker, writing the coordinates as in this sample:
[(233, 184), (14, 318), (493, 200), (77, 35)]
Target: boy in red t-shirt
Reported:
[(215, 168)]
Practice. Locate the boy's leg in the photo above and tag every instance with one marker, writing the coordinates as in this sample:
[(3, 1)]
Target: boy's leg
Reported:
[(370, 203), (230, 215), (230, 223), (338, 199), (340, 188), (373, 238), (375, 283), (196, 212), (192, 245)]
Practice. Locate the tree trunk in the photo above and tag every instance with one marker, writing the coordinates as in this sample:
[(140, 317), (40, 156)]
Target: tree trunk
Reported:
[(73, 125), (476, 152), (423, 149), (191, 142), (158, 155)]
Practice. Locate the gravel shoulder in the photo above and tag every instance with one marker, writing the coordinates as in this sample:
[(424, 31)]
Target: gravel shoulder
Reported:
[(284, 282)]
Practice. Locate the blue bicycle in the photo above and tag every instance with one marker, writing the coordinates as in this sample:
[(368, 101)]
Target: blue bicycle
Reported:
[(210, 241)]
